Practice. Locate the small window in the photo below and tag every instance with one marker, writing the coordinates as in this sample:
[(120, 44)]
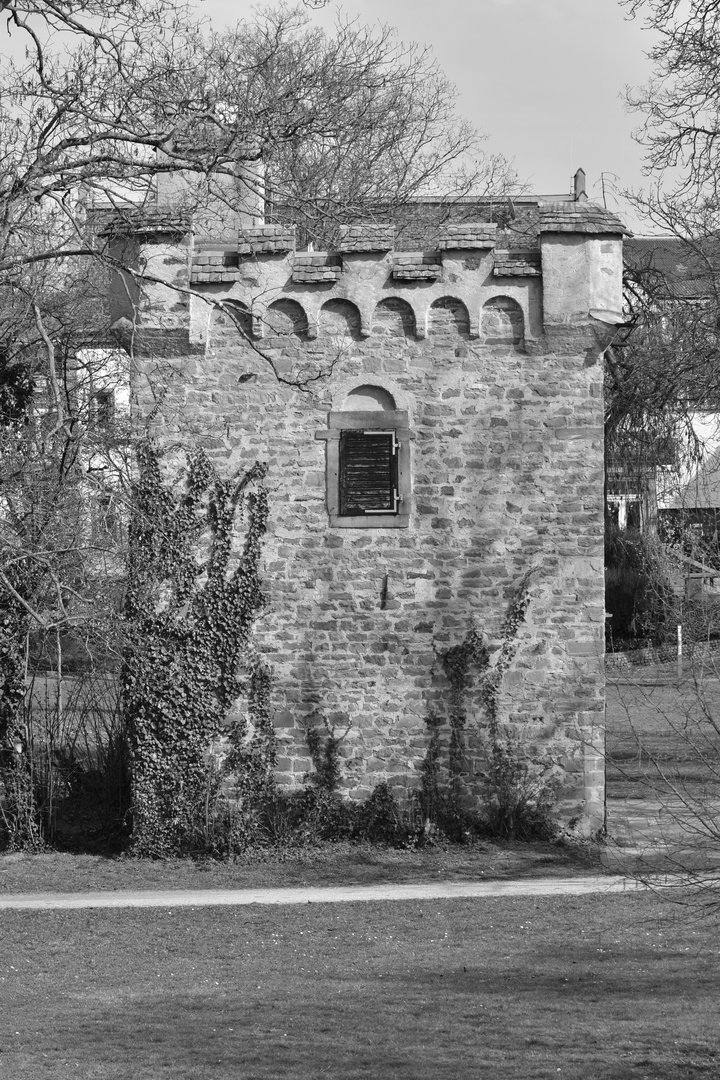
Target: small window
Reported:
[(368, 469), (104, 401)]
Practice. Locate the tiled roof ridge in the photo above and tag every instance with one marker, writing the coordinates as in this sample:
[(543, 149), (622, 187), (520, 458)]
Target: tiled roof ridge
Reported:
[(143, 219), (582, 216)]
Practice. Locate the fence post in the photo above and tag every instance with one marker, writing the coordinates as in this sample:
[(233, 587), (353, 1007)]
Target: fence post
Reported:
[(679, 651)]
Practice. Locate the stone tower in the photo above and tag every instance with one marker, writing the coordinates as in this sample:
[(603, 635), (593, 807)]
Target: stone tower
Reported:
[(433, 426)]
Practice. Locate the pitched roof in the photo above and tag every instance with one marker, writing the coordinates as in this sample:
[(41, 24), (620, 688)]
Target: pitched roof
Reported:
[(141, 219), (701, 490), (676, 268)]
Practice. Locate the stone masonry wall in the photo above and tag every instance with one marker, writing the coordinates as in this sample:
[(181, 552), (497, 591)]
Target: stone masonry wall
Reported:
[(506, 469)]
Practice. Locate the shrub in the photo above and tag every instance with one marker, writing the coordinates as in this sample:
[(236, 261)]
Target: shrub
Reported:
[(638, 592), (74, 760), (521, 798), (380, 819)]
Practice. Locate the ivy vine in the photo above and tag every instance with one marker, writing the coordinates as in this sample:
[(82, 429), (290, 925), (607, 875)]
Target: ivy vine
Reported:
[(253, 754), (519, 799), (20, 819), (458, 663), (190, 606)]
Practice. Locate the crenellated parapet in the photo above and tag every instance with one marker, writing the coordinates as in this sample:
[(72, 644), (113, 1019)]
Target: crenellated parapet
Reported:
[(566, 287), (364, 271)]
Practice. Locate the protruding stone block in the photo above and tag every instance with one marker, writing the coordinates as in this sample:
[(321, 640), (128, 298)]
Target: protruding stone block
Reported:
[(367, 237), (417, 266), (266, 240), (468, 235), (316, 267)]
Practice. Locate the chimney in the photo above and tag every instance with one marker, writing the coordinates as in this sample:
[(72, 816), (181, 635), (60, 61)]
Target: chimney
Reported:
[(579, 186)]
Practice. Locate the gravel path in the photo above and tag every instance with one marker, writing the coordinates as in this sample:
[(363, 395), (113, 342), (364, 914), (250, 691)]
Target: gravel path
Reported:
[(577, 886)]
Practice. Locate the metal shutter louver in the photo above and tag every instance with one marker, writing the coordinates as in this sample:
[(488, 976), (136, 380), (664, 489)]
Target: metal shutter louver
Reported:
[(368, 472)]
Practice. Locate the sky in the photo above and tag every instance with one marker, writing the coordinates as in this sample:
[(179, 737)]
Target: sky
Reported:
[(543, 79)]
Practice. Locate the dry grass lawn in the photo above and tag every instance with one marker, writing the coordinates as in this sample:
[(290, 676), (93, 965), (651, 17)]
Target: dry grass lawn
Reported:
[(327, 864), (663, 728), (663, 767), (592, 988)]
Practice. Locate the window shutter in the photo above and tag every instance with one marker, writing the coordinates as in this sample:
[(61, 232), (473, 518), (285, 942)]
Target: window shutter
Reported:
[(368, 472)]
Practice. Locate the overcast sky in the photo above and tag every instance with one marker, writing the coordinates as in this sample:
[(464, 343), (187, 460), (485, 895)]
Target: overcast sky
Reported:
[(542, 78)]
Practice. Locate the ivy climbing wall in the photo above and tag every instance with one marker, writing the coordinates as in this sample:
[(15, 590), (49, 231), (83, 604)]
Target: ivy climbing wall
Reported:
[(501, 381)]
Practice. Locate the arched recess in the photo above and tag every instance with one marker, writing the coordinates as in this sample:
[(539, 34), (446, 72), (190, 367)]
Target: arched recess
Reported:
[(341, 319), (502, 321), (285, 317), (448, 315), (369, 399), (394, 318), (227, 320)]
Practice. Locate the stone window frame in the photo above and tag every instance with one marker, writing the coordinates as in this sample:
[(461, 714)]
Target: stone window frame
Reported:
[(395, 420)]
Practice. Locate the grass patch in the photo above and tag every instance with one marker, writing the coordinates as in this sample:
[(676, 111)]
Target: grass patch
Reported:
[(516, 989), (669, 726), (325, 864)]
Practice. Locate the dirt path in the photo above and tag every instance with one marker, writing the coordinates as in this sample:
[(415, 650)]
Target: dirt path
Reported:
[(321, 895)]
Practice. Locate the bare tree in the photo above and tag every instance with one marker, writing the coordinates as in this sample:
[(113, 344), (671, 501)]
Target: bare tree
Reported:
[(337, 122), (668, 366), (681, 109), (663, 740), (664, 370), (663, 746)]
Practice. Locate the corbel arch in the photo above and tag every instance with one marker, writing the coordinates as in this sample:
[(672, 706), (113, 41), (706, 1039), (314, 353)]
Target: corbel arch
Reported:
[(448, 315), (502, 321), (394, 317), (285, 317), (340, 319)]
